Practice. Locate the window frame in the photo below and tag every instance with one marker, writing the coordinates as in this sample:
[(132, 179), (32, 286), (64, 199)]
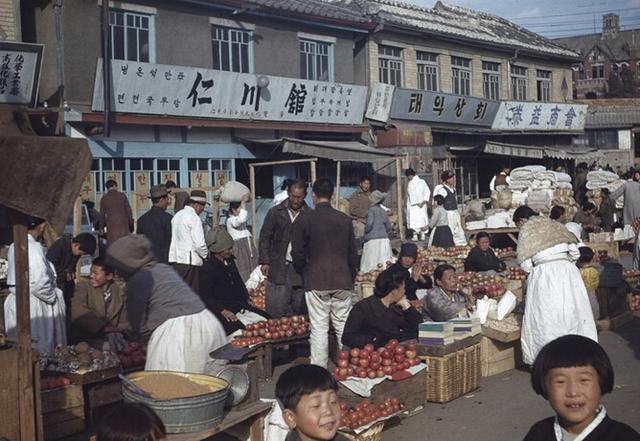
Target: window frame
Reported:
[(519, 82), (230, 29), (151, 38), (487, 74), (330, 58), (422, 65), (598, 68), (389, 59), (544, 84), (458, 72)]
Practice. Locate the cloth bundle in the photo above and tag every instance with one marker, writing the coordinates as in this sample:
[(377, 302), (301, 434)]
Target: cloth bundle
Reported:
[(525, 173), (518, 198), (499, 220), (476, 225), (540, 200)]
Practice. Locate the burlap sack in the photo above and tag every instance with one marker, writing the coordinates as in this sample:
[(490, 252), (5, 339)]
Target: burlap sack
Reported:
[(504, 199), (233, 191)]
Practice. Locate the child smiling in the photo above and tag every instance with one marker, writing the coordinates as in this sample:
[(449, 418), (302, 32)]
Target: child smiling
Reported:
[(572, 373)]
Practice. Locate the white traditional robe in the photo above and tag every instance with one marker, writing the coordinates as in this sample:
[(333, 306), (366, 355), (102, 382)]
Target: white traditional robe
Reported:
[(46, 302), (417, 192)]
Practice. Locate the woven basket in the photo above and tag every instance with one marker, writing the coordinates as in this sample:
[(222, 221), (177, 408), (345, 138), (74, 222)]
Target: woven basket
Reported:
[(366, 289), (453, 375), (373, 433)]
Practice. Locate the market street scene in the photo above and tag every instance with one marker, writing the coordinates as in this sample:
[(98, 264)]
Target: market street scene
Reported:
[(319, 220)]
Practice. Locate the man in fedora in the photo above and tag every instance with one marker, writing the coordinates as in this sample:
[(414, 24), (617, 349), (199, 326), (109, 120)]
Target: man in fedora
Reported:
[(156, 223), (188, 248)]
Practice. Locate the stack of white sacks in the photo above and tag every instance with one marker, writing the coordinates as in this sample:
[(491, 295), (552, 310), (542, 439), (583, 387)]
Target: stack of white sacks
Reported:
[(599, 179)]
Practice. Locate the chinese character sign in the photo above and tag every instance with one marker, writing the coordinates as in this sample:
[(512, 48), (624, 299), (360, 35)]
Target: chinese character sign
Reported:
[(19, 72), (442, 108), (142, 181), (380, 100), (188, 91), (199, 179), (515, 115)]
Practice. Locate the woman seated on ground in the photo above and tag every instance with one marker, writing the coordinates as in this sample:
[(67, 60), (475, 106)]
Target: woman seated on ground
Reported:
[(384, 316), (481, 258), (221, 287), (446, 301)]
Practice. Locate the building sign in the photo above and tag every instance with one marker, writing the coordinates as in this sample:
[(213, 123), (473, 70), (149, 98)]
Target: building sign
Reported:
[(510, 150), (19, 72), (443, 108), (188, 91), (517, 115), (380, 102)]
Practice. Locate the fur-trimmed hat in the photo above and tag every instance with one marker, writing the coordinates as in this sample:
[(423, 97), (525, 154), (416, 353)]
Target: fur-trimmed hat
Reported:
[(540, 233)]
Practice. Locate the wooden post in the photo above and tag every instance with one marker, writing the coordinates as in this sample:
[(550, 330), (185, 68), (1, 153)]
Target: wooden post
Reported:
[(313, 171), (252, 184), (77, 215), (26, 409), (338, 169), (399, 198)]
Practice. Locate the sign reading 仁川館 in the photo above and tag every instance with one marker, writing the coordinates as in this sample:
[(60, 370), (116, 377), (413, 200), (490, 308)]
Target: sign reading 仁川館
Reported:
[(19, 72), (518, 115), (195, 92)]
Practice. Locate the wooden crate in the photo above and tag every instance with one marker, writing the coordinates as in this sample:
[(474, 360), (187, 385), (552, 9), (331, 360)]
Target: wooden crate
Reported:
[(410, 391), (63, 412), (61, 398), (98, 396), (498, 357), (454, 374), (611, 248)]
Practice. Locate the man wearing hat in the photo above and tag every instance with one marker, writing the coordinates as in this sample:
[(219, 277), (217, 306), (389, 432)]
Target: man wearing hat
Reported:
[(415, 277), (221, 287), (115, 213), (418, 195), (377, 246), (188, 248), (156, 223), (448, 191), (160, 305)]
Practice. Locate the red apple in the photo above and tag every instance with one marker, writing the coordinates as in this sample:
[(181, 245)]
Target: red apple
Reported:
[(355, 361), (399, 358), (399, 350), (369, 347), (342, 363), (375, 357), (412, 346), (355, 352), (410, 354), (364, 362), (386, 362), (372, 374)]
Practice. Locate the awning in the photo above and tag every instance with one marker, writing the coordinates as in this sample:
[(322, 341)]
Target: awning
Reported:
[(539, 152), (522, 151)]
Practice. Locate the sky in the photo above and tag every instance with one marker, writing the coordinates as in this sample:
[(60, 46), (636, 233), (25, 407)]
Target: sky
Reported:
[(554, 18)]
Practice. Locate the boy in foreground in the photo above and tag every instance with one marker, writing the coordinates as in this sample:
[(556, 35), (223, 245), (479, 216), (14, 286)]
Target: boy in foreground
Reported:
[(308, 395)]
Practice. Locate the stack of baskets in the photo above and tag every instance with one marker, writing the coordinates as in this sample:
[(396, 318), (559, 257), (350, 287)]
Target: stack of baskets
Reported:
[(454, 374)]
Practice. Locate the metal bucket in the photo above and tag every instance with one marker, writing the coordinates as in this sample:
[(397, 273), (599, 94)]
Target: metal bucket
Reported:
[(184, 415)]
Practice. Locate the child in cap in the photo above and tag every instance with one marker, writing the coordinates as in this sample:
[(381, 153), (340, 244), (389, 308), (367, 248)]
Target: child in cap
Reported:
[(309, 399)]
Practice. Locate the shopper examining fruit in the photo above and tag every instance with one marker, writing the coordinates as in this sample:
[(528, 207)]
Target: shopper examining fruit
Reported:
[(384, 316), (446, 300), (221, 287)]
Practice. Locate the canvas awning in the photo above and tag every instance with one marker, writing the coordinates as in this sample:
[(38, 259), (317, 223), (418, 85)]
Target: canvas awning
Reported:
[(539, 152)]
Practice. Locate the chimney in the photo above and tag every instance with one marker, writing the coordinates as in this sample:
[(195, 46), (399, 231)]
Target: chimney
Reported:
[(610, 26)]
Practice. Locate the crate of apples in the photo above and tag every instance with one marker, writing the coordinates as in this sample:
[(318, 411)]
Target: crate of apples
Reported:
[(53, 382), (516, 273), (366, 412), (482, 285), (257, 295), (369, 362), (503, 253), (276, 329), (133, 355), (243, 342)]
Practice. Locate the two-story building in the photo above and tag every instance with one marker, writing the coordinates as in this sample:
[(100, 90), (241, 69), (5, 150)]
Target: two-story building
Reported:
[(193, 84), (471, 90)]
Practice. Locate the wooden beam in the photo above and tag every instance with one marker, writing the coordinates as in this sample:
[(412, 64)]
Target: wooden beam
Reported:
[(313, 171), (283, 162), (338, 167), (26, 409), (399, 198), (252, 185)]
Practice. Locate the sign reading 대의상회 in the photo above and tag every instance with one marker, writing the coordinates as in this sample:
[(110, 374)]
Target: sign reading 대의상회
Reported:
[(19, 72), (194, 92)]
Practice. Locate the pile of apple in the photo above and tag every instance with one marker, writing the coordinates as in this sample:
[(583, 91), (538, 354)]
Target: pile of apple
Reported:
[(601, 255), (276, 329), (133, 355), (371, 276), (448, 253), (369, 362), (503, 252), (482, 284), (257, 295), (631, 273), (635, 302), (53, 382), (516, 273), (365, 412), (241, 342)]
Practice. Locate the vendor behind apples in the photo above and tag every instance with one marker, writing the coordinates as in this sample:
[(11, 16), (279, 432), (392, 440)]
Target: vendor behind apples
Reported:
[(384, 316), (447, 301), (415, 276), (98, 306), (481, 258), (221, 287)]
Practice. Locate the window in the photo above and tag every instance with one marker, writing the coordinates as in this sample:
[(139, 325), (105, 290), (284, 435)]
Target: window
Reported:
[(597, 71), (316, 60), (579, 69), (519, 83), (390, 65), (427, 64), (461, 75), (132, 36), (543, 81), (232, 49), (491, 80)]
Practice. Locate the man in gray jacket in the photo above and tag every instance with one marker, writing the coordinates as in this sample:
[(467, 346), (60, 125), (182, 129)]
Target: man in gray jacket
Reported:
[(324, 251)]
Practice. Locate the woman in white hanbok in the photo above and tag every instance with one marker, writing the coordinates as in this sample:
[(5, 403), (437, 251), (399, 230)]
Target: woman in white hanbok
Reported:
[(46, 302)]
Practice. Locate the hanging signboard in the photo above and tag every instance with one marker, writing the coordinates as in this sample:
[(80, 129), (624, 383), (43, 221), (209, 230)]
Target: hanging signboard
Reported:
[(196, 92), (142, 182), (19, 72), (517, 115), (436, 107), (379, 105)]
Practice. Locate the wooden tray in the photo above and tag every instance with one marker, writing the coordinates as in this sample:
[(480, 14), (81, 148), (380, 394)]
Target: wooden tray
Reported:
[(93, 376)]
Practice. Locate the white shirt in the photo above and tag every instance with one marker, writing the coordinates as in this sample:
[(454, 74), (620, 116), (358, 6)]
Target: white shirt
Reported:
[(280, 197), (440, 190), (237, 225), (492, 184), (188, 246)]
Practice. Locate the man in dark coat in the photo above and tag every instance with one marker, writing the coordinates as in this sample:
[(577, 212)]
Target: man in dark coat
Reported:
[(156, 224), (324, 251), (284, 294), (412, 282), (64, 254), (221, 288), (115, 213)]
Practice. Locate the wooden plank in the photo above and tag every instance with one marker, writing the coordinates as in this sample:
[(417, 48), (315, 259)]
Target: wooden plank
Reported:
[(313, 170), (61, 398), (62, 415), (252, 186), (399, 200), (103, 394), (63, 429), (621, 320), (337, 195), (501, 336), (498, 357), (9, 412)]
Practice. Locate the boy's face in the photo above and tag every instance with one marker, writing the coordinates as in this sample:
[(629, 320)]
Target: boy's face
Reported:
[(574, 393), (316, 417)]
